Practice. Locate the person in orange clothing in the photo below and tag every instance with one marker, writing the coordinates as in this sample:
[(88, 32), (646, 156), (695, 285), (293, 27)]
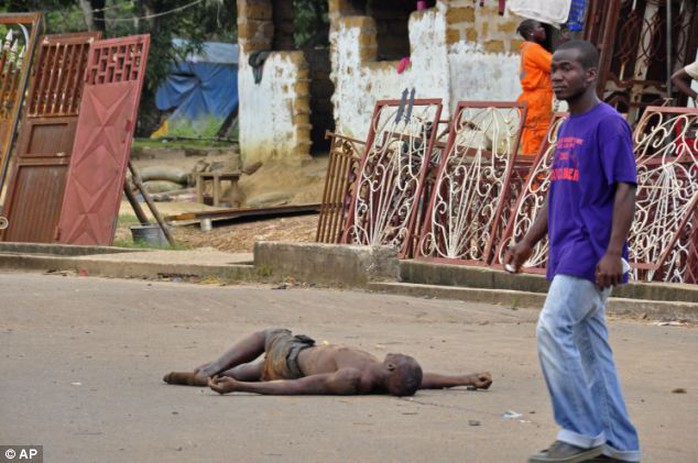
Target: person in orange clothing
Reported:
[(534, 74)]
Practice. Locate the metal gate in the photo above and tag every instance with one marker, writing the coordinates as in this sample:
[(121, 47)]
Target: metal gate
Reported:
[(108, 112), (387, 195), (345, 155), (45, 141), (664, 236), (18, 37), (635, 65), (469, 204)]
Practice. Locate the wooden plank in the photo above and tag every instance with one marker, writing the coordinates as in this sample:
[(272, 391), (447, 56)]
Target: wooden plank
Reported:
[(235, 213)]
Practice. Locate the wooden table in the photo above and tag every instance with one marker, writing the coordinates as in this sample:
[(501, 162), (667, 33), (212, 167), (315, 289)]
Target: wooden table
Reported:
[(216, 178)]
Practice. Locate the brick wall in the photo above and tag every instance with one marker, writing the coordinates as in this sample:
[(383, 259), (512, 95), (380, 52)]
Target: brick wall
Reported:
[(274, 113), (458, 49)]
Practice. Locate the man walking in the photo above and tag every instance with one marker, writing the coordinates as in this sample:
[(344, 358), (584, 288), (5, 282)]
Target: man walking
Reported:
[(587, 216)]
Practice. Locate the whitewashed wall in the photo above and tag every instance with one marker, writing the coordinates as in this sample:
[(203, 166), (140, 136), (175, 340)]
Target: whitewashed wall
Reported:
[(480, 76), (274, 123), (462, 71), (267, 130), (358, 86)]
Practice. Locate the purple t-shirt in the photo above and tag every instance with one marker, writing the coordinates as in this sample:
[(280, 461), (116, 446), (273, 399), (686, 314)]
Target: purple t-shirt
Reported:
[(594, 152)]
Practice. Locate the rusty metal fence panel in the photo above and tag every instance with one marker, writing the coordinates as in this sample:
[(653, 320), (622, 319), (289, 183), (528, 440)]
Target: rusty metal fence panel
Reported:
[(37, 178), (663, 236), (470, 202), (18, 37), (342, 171), (108, 113), (632, 37), (529, 201), (388, 191)]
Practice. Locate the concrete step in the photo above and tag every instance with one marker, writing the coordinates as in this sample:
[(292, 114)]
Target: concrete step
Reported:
[(420, 272), (617, 306)]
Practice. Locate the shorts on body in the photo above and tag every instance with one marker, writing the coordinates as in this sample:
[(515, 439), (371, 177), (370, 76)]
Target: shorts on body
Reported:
[(281, 359)]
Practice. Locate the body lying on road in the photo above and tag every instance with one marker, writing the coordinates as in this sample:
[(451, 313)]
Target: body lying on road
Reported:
[(294, 365)]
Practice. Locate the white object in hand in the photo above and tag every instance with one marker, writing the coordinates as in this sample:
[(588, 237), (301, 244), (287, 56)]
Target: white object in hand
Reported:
[(626, 266), (509, 268)]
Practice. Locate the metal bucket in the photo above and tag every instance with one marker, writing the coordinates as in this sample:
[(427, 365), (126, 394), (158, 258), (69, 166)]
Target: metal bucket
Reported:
[(149, 234)]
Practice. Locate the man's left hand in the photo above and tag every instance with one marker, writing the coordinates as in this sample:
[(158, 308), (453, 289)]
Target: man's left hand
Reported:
[(609, 271)]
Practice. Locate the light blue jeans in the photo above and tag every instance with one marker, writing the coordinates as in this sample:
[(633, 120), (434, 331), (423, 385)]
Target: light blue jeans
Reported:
[(578, 368)]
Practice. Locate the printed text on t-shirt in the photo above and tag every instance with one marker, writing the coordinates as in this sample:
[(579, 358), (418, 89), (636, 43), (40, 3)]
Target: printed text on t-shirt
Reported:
[(565, 163)]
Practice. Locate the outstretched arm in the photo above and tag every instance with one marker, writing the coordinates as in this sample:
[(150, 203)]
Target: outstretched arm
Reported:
[(437, 381), (342, 382)]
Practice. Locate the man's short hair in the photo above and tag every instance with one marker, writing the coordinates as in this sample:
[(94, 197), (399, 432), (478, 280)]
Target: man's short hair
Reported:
[(588, 53), (406, 378)]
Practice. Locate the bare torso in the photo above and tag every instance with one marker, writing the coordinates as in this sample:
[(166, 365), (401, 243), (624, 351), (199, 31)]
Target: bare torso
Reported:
[(332, 358), (328, 359)]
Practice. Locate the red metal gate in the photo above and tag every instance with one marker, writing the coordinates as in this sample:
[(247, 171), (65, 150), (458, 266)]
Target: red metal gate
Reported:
[(529, 201), (633, 70), (387, 195), (345, 155), (20, 34), (37, 178), (471, 197), (113, 84), (663, 237)]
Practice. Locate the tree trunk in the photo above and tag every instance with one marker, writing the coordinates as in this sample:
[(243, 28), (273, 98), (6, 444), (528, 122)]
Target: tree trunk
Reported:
[(87, 13), (93, 11)]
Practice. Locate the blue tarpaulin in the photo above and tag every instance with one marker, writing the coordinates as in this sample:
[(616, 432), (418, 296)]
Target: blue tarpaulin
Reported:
[(201, 91)]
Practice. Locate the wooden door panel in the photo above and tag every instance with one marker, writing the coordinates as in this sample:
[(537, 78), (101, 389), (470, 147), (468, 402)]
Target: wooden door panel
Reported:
[(102, 147), (46, 137)]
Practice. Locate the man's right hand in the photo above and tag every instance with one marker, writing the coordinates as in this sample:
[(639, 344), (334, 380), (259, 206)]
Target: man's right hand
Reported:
[(516, 255), (222, 384)]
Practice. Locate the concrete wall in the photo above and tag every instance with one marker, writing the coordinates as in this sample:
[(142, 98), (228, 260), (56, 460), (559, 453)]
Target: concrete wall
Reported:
[(360, 80), (483, 52), (326, 264), (459, 51), (274, 113)]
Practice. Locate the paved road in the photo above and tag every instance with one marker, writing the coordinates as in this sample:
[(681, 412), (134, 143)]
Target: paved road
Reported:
[(83, 358)]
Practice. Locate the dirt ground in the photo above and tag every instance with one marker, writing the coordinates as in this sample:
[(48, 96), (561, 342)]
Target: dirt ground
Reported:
[(240, 237), (83, 360), (272, 184)]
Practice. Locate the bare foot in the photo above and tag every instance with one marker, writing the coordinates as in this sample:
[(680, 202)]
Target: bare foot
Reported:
[(185, 378)]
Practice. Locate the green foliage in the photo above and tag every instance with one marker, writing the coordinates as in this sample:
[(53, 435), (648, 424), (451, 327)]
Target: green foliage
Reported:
[(195, 21), (204, 127), (206, 20), (127, 220), (68, 19), (310, 19)]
